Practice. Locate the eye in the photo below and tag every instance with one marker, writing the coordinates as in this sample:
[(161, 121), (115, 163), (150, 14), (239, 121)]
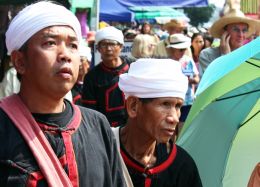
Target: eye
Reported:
[(178, 106), (49, 43), (166, 104), (74, 46)]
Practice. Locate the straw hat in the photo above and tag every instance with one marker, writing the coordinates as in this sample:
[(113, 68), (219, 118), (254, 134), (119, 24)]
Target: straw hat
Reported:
[(174, 23), (234, 16)]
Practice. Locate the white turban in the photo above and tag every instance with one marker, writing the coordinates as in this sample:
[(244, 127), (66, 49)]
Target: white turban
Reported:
[(36, 17), (109, 33), (153, 78)]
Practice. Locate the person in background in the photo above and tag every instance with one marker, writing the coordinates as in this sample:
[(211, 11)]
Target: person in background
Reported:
[(85, 63), (176, 51), (172, 27), (197, 45), (48, 141), (208, 39), (143, 46), (155, 91), (233, 29), (100, 88), (91, 44), (146, 28)]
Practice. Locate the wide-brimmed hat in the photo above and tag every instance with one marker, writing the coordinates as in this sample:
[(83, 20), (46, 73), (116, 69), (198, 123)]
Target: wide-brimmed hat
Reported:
[(179, 41), (234, 16), (174, 23)]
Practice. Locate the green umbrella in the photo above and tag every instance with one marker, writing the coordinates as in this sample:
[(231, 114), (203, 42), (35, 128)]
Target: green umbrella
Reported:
[(222, 130), (157, 12)]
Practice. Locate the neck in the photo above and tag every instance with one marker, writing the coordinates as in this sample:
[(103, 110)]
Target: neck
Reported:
[(114, 63), (41, 103), (141, 149)]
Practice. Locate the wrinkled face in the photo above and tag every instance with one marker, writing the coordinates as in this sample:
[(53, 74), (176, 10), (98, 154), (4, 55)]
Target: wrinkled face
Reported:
[(158, 118), (198, 42), (175, 54), (237, 33), (109, 49), (51, 61)]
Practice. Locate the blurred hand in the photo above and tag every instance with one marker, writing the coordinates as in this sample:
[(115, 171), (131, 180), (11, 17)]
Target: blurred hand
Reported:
[(224, 43)]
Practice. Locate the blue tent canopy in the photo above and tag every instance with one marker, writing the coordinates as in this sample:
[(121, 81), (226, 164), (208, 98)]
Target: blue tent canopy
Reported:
[(111, 10), (170, 3)]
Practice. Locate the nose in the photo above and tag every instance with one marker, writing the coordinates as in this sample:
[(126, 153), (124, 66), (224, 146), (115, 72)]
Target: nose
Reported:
[(173, 116), (64, 54)]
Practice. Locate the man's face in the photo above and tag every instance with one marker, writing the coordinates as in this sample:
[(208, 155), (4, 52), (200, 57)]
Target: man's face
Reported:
[(157, 119), (51, 61), (237, 32), (109, 49)]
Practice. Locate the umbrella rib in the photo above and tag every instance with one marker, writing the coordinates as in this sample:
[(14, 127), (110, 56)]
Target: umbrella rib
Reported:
[(245, 93), (252, 64), (250, 118)]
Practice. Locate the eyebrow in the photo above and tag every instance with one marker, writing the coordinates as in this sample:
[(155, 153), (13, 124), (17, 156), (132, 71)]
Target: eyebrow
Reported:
[(55, 36)]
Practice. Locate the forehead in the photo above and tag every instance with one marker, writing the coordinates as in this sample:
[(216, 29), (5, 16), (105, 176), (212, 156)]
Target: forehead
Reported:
[(55, 31), (237, 25), (108, 41)]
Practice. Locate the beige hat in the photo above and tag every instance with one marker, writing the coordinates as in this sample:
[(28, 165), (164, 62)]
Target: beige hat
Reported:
[(174, 23), (234, 16), (179, 41)]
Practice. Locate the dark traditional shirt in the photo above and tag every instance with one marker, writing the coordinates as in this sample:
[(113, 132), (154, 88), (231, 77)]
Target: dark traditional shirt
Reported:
[(87, 153), (101, 92), (173, 169)]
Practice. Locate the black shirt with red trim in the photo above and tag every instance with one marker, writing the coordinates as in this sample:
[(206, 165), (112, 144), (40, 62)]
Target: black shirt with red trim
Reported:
[(87, 150), (76, 93), (101, 91), (173, 169)]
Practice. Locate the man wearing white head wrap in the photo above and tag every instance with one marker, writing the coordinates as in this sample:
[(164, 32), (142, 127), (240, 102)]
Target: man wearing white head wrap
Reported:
[(100, 89), (33, 18), (155, 91), (48, 141)]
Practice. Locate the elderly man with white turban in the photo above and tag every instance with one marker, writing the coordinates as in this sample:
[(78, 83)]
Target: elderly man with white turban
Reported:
[(47, 140), (155, 91), (100, 89)]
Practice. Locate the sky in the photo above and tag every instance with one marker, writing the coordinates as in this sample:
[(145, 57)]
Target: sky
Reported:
[(218, 3)]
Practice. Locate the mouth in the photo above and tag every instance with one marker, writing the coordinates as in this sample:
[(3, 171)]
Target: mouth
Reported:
[(65, 72), (169, 131)]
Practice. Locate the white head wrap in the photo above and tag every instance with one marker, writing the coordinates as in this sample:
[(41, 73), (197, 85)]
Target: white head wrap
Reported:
[(153, 78), (109, 33), (36, 17)]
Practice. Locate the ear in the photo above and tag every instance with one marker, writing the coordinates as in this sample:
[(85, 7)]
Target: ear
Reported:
[(132, 105), (18, 61)]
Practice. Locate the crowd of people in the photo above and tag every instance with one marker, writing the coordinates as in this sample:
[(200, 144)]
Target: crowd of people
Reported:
[(67, 122)]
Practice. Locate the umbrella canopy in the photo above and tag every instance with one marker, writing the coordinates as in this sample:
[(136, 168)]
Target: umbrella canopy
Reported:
[(171, 3), (222, 130), (111, 10), (159, 13)]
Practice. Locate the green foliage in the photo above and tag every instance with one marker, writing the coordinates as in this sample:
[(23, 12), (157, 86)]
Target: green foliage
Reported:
[(199, 15)]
